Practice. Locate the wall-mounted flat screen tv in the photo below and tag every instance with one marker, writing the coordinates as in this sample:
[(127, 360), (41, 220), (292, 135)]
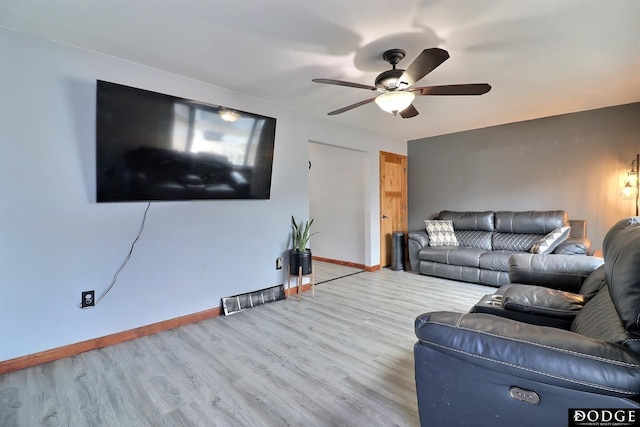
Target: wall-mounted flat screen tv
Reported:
[(151, 146)]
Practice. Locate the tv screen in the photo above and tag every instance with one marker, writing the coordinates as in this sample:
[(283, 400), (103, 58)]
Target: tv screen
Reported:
[(151, 146)]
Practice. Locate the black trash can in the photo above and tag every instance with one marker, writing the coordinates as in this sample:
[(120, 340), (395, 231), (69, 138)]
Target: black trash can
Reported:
[(397, 257)]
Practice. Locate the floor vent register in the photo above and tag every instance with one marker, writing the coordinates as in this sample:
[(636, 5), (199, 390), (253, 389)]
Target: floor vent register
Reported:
[(241, 302)]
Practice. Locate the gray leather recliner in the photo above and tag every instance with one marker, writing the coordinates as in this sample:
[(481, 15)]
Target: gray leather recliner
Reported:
[(488, 370)]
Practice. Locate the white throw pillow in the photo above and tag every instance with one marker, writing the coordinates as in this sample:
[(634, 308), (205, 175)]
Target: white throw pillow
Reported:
[(441, 232), (546, 244)]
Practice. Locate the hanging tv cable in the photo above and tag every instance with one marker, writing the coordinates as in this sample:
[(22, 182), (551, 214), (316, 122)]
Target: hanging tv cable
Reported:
[(127, 258)]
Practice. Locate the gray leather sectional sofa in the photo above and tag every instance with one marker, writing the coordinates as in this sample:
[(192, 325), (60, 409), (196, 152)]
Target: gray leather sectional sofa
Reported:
[(486, 240)]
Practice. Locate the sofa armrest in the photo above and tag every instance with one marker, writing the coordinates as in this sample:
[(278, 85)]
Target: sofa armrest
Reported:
[(537, 353), (416, 240), (542, 301), (574, 246), (563, 272), (578, 227)]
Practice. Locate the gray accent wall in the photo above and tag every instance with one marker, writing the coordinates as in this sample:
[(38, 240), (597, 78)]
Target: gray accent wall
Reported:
[(576, 162)]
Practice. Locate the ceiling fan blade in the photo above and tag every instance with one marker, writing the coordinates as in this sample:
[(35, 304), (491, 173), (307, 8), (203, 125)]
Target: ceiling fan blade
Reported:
[(409, 112), (426, 62), (351, 107), (343, 83), (463, 89)]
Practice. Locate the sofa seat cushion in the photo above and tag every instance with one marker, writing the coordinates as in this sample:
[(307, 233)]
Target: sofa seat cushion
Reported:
[(460, 273), (496, 260), (493, 278), (454, 255)]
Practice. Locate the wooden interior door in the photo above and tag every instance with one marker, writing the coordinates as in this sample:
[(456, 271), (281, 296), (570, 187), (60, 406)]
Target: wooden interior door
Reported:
[(393, 201)]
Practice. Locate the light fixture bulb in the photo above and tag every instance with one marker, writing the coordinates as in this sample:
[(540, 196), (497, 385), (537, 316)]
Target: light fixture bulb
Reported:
[(395, 101), (627, 191), (633, 177)]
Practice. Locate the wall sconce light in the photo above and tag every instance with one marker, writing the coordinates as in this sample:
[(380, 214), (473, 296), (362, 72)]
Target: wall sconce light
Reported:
[(627, 191), (631, 187)]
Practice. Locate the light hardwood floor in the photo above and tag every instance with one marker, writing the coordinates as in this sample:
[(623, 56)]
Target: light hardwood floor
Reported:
[(343, 358)]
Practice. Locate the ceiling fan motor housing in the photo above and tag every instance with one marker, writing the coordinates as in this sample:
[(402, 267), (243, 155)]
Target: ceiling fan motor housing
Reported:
[(387, 80)]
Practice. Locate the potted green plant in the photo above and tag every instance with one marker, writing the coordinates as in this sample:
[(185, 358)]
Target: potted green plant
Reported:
[(300, 255)]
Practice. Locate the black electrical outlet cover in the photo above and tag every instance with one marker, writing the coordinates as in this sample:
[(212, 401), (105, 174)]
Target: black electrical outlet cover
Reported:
[(88, 299)]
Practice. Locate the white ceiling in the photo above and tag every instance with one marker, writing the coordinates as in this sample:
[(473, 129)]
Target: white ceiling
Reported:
[(542, 57)]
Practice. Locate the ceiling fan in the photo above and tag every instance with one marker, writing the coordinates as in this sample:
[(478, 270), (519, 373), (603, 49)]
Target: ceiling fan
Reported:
[(397, 88)]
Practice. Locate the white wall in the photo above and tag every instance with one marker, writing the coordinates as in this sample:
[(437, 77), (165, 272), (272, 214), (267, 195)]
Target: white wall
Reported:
[(55, 241), (337, 202)]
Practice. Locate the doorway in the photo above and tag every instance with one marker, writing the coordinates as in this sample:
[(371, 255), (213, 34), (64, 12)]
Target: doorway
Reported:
[(393, 201), (337, 203)]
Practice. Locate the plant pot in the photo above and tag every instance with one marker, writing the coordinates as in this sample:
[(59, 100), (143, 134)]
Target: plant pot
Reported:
[(299, 258)]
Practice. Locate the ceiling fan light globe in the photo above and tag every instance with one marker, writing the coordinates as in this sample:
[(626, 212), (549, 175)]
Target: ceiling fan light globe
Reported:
[(395, 101)]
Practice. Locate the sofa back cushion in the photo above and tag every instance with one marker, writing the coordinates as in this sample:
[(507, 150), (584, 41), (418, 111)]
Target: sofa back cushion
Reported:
[(594, 282), (473, 229), (599, 320), (503, 230), (617, 227), (479, 221), (474, 239), (622, 272), (530, 222)]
